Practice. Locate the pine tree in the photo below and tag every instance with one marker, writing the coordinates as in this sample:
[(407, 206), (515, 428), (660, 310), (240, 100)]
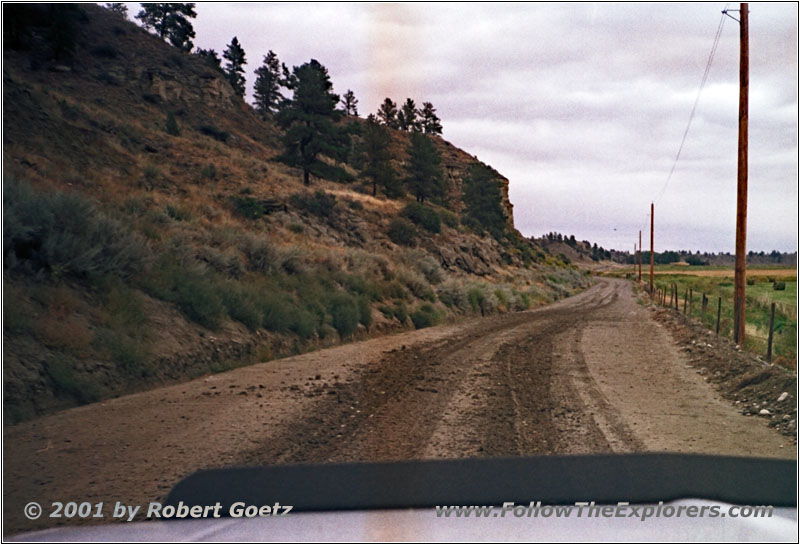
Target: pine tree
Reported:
[(119, 8), (387, 113), (171, 22), (424, 169), (309, 121), (267, 87), (210, 57), (234, 68), (429, 121), (483, 209), (407, 118), (377, 158), (350, 103)]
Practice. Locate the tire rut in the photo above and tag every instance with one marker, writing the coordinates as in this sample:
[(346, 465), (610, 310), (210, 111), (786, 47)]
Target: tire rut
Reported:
[(509, 371)]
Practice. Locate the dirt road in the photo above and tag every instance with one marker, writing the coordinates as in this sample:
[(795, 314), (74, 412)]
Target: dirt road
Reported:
[(592, 373)]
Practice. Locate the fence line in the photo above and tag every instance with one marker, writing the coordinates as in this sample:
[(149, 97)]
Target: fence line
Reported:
[(660, 297)]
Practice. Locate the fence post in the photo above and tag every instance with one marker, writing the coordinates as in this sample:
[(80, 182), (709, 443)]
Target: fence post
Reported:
[(676, 296), (769, 341), (703, 307), (685, 299), (719, 311)]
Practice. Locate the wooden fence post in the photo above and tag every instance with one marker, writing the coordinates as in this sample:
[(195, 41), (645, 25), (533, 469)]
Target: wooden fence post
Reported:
[(703, 307), (719, 311), (769, 341), (685, 299), (676, 296)]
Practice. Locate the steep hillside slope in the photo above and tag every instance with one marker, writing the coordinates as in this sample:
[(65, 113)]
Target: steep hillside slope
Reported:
[(135, 255)]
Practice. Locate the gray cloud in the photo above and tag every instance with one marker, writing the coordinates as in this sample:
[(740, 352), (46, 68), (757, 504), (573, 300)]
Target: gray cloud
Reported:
[(581, 105)]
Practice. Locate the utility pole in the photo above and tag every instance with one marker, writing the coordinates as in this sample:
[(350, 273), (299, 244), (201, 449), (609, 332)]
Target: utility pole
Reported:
[(741, 187), (652, 256), (640, 255)]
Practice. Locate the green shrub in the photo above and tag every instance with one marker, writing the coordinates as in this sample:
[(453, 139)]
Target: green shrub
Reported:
[(387, 311), (402, 232), (751, 281), (65, 381), (476, 297), (66, 235), (424, 263), (247, 207), (364, 312), (215, 133), (779, 286), (198, 300), (449, 218), (304, 323), (344, 313), (424, 216), (259, 252), (296, 228), (502, 297), (416, 284), (172, 125), (277, 313), (359, 285), (128, 353), (393, 290), (178, 213), (521, 301), (400, 311), (241, 306), (150, 174), (355, 205), (454, 295), (425, 316), (319, 203), (209, 172)]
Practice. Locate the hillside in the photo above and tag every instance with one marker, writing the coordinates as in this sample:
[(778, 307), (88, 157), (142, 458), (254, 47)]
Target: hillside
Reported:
[(136, 256)]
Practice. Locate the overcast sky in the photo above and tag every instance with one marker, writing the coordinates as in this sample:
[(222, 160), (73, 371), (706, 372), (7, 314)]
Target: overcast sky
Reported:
[(582, 106)]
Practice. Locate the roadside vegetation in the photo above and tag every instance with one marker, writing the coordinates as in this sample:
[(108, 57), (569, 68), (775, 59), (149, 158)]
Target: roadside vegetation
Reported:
[(761, 291)]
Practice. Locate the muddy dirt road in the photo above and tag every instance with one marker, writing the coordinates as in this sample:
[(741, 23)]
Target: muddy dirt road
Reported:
[(592, 373)]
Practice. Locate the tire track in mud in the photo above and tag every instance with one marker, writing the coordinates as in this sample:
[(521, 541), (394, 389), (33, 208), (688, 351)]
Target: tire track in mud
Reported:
[(493, 390)]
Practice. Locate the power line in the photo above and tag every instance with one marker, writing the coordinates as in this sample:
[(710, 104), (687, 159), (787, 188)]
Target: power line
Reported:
[(696, 100)]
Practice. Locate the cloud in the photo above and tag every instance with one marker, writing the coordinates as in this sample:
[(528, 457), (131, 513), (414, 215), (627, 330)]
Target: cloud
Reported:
[(582, 106)]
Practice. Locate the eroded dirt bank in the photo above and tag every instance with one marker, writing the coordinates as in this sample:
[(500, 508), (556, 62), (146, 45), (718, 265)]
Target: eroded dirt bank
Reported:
[(592, 373)]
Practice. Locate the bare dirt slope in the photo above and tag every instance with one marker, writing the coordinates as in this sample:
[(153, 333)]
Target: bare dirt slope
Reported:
[(592, 373)]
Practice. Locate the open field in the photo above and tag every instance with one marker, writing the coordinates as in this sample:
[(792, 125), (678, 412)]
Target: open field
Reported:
[(760, 295), (781, 273)]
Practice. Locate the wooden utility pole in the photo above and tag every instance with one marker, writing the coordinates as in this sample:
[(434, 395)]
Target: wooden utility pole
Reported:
[(640, 255), (741, 188), (652, 257)]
